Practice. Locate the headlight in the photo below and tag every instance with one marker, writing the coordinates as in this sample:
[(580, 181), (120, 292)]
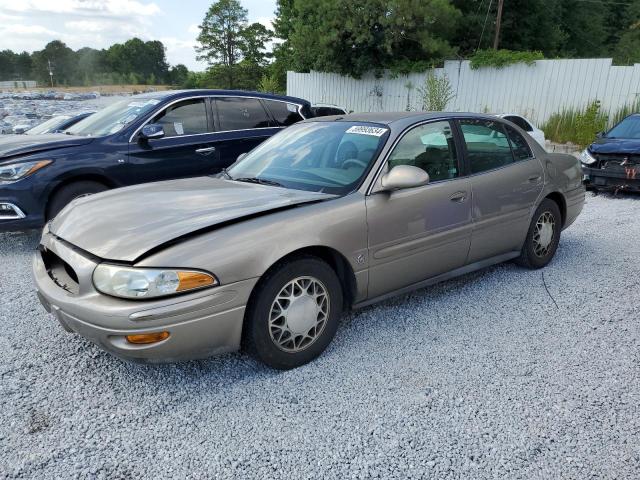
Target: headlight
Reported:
[(17, 171), (127, 282), (586, 158)]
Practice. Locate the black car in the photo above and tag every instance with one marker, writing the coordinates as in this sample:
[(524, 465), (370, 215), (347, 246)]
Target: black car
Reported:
[(57, 124), (145, 138), (612, 162)]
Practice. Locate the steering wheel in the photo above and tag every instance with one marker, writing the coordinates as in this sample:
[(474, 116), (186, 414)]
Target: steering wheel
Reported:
[(357, 162)]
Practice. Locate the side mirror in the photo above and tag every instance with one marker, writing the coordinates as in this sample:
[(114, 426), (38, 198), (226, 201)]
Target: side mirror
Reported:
[(152, 131), (404, 176), (240, 157)]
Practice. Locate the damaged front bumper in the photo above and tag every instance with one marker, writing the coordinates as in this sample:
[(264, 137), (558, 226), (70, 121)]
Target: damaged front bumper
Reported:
[(613, 177)]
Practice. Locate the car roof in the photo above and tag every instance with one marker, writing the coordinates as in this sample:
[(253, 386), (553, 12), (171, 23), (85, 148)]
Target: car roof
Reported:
[(170, 94), (389, 118)]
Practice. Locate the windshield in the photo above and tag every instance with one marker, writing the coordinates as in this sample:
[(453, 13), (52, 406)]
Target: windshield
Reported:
[(627, 128), (48, 126), (113, 118), (328, 157)]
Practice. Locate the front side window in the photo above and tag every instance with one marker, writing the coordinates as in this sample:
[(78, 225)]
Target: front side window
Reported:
[(329, 157), (285, 114), (520, 147), (430, 147), (241, 114), (487, 145), (184, 118)]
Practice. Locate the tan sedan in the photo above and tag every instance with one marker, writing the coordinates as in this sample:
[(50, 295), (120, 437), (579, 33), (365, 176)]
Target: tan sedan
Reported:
[(328, 215)]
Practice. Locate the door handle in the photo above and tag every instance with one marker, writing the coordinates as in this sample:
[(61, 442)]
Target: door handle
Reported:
[(534, 179), (206, 151), (458, 197)]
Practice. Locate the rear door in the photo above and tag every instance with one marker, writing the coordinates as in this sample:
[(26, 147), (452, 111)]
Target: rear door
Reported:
[(242, 124), (188, 149), (506, 181), (419, 233)]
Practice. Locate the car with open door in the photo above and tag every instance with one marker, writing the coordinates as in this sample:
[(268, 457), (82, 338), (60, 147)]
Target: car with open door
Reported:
[(144, 138), (328, 215)]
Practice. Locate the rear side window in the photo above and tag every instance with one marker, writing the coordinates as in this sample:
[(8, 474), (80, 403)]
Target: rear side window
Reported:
[(487, 145), (521, 150), (285, 114), (241, 114), (184, 118), (521, 122)]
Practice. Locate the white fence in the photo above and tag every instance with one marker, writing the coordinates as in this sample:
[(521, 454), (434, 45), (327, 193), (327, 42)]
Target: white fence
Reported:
[(536, 91), (19, 84)]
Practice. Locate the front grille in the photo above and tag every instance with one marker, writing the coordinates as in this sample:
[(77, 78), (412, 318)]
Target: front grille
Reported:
[(60, 271), (617, 162)]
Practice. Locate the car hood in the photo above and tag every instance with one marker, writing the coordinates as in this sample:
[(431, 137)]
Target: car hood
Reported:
[(125, 224), (15, 145), (615, 145)]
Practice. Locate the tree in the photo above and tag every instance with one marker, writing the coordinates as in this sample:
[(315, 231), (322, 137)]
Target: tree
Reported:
[(283, 26), (354, 37), (221, 37), (627, 49), (253, 45), (63, 62), (178, 75)]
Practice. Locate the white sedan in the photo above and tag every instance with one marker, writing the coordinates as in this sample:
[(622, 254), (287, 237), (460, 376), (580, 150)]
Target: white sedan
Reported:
[(526, 125)]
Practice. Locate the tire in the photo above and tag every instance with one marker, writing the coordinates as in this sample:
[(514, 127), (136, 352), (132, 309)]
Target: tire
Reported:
[(540, 246), (70, 192), (284, 341)]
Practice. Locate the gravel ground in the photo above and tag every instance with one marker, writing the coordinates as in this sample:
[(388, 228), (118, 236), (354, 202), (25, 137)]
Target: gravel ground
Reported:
[(480, 377)]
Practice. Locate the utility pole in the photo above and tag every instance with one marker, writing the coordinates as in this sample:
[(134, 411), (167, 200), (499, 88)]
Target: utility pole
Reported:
[(50, 72), (496, 39)]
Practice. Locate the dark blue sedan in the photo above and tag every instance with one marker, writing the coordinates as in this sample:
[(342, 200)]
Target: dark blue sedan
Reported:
[(612, 162), (145, 138)]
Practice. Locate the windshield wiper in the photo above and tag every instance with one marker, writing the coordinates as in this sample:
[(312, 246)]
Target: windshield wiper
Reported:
[(261, 181), (226, 173)]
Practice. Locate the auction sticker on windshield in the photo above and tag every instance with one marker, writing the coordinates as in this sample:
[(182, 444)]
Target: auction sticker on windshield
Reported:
[(364, 130)]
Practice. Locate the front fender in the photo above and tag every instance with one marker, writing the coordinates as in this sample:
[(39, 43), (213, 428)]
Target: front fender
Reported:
[(247, 249)]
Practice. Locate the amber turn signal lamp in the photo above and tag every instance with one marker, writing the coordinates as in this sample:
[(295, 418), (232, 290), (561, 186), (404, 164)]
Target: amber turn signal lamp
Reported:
[(191, 280), (37, 167), (146, 338)]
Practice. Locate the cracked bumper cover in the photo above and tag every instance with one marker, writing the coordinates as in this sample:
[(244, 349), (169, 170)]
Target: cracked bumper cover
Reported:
[(200, 324)]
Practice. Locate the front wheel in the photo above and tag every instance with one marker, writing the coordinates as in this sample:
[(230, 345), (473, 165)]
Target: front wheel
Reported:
[(293, 315), (70, 192), (543, 236)]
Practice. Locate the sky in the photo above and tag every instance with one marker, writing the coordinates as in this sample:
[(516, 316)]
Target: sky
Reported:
[(30, 24)]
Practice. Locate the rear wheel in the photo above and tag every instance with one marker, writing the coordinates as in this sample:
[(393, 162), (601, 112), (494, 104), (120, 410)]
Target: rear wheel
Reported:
[(543, 236), (70, 192), (293, 315)]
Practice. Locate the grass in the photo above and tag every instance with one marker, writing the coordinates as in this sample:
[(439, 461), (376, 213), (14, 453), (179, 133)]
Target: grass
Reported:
[(580, 126)]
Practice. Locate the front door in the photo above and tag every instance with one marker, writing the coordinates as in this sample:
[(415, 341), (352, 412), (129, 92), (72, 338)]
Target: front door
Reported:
[(189, 147), (506, 180), (419, 233)]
